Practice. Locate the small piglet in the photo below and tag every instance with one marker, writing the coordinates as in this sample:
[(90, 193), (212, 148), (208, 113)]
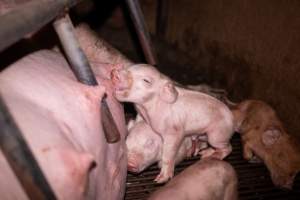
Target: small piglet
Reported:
[(174, 112), (264, 138), (207, 179), (144, 147)]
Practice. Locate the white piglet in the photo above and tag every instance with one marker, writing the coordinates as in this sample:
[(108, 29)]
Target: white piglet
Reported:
[(174, 112), (144, 147)]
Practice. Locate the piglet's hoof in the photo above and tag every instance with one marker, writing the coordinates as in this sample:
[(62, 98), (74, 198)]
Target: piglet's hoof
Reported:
[(207, 153), (255, 160), (162, 178)]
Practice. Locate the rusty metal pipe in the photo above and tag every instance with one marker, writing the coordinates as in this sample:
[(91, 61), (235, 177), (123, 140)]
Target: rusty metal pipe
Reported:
[(21, 159), (29, 18), (142, 31), (83, 71)]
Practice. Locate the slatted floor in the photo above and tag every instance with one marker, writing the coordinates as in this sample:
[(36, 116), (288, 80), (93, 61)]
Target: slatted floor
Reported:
[(254, 180)]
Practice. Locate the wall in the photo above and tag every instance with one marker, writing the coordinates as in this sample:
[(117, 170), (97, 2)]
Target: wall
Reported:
[(251, 48)]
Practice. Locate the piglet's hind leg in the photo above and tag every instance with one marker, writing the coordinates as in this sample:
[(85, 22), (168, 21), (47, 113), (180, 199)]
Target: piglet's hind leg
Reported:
[(219, 152), (219, 141), (219, 148)]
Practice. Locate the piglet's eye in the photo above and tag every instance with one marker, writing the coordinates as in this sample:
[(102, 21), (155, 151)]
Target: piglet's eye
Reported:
[(147, 81)]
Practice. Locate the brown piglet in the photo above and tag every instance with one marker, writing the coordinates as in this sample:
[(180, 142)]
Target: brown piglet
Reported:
[(265, 139)]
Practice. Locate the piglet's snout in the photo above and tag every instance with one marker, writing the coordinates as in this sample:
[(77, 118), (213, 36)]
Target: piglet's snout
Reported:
[(121, 79), (134, 161), (132, 167)]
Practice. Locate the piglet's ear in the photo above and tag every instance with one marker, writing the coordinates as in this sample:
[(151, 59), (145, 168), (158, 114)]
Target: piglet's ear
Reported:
[(130, 124), (271, 135), (168, 93)]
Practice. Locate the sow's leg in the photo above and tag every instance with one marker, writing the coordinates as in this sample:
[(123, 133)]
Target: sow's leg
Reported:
[(60, 120)]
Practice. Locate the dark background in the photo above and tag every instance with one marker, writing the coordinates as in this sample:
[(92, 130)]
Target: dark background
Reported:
[(250, 48)]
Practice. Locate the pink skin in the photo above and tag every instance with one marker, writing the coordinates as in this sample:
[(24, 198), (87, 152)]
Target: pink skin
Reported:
[(215, 92), (174, 112), (144, 147), (60, 120), (206, 179)]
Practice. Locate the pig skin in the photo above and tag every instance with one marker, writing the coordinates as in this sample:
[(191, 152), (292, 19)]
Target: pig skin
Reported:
[(174, 112), (60, 120), (264, 138), (8, 5), (144, 146), (207, 179)]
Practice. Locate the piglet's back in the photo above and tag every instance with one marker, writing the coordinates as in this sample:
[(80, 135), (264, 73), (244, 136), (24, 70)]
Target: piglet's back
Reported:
[(203, 109), (206, 179)]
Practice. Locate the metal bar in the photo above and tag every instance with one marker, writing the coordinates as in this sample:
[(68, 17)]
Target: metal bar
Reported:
[(29, 18), (78, 61), (83, 71), (142, 31), (21, 159), (162, 18)]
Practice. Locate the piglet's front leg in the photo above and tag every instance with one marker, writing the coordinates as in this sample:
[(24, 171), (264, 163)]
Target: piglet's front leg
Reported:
[(171, 144), (249, 155)]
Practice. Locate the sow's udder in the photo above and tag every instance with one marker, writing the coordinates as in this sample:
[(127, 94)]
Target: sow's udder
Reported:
[(61, 122)]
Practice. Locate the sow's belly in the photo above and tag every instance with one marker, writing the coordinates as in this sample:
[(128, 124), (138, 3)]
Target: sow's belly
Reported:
[(60, 120)]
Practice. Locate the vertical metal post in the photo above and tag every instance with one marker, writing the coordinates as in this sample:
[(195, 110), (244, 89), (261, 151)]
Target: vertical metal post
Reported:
[(21, 159), (142, 31), (83, 71)]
